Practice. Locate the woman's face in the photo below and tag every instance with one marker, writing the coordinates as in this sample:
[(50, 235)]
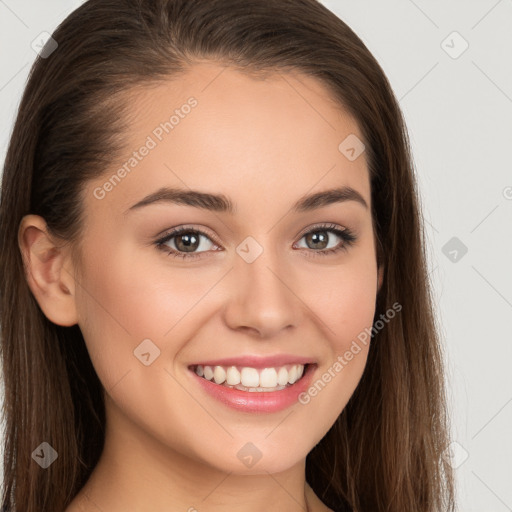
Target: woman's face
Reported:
[(253, 282)]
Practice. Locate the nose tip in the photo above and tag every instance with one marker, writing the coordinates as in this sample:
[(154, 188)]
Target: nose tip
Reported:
[(262, 303), (262, 331)]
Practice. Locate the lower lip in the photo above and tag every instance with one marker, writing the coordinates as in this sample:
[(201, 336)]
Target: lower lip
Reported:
[(258, 401)]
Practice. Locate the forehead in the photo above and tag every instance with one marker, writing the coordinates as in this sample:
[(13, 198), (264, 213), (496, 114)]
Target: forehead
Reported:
[(249, 137)]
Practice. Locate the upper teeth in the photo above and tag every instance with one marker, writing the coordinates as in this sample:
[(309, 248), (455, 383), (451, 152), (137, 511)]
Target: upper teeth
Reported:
[(252, 377)]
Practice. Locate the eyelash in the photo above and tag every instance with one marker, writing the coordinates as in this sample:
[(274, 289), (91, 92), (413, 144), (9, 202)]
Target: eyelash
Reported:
[(348, 239)]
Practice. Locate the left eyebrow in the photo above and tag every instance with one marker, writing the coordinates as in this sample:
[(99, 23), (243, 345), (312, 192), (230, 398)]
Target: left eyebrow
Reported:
[(221, 203), (327, 197)]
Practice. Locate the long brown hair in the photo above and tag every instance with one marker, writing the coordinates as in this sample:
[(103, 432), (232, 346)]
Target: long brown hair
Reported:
[(384, 452)]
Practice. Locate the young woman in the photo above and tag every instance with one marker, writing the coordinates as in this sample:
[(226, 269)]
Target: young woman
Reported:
[(214, 290)]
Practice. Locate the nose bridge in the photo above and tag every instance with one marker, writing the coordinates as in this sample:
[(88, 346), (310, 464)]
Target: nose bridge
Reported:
[(261, 298)]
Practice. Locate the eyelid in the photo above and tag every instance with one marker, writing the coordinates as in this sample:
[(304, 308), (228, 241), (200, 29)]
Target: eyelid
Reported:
[(321, 225), (347, 236), (202, 230)]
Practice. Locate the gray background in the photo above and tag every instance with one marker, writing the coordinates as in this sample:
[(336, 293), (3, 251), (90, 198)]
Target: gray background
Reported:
[(458, 107)]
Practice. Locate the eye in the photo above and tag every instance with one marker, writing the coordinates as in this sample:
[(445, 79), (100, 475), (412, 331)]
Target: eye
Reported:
[(184, 242), (321, 237)]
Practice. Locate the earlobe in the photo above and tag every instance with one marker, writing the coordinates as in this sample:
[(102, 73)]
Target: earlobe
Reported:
[(45, 263)]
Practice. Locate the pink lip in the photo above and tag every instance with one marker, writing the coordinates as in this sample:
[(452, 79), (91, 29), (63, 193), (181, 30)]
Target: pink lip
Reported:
[(262, 402), (258, 361)]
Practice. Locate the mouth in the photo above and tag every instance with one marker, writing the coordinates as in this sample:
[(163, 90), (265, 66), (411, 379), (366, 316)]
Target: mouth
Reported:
[(246, 378), (254, 389)]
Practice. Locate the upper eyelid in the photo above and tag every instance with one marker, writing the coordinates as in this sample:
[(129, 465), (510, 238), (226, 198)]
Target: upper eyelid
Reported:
[(170, 234), (328, 226)]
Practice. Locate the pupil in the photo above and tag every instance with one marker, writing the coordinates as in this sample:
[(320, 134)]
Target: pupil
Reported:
[(318, 237), (189, 241)]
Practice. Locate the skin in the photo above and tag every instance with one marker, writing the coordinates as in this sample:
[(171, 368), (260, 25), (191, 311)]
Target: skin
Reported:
[(264, 144)]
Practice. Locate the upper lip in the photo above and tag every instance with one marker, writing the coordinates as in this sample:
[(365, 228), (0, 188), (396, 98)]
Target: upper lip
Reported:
[(253, 361)]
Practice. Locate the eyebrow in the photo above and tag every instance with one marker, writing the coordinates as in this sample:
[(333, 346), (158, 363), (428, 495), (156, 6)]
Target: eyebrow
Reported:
[(221, 203)]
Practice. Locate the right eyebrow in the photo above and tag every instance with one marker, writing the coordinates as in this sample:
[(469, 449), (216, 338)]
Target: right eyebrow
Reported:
[(206, 201)]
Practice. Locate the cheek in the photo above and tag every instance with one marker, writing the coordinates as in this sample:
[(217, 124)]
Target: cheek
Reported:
[(127, 297), (343, 297), (125, 302), (132, 294)]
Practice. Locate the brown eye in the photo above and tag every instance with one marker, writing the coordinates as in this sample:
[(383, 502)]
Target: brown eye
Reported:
[(188, 242), (324, 240), (317, 239), (185, 242)]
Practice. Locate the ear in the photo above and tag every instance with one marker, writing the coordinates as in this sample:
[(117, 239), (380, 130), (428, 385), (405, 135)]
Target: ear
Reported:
[(380, 277), (48, 270)]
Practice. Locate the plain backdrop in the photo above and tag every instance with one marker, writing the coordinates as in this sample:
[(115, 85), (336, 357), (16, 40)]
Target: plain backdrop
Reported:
[(450, 65)]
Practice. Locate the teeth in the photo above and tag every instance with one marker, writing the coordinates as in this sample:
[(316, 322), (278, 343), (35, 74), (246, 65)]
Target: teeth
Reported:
[(208, 373), (268, 378), (233, 376), (219, 375), (252, 379), (282, 377)]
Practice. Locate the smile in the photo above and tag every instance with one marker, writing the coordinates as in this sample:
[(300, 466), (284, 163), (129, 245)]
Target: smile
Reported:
[(261, 388), (252, 379)]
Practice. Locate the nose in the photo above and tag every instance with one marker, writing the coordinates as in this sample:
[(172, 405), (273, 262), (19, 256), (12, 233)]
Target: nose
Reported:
[(261, 297)]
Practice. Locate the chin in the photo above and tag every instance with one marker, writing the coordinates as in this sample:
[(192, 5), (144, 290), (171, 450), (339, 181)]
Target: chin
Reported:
[(243, 457)]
